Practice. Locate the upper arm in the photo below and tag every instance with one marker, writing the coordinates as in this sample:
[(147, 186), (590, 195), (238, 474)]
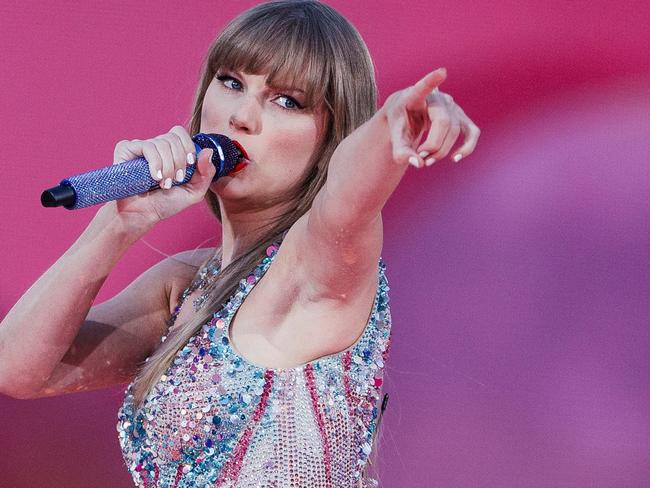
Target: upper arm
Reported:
[(338, 253), (120, 333)]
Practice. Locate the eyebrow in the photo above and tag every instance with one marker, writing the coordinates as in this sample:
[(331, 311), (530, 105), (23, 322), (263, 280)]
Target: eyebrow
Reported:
[(286, 88), (274, 87)]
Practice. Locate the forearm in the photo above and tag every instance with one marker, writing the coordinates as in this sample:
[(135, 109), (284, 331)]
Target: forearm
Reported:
[(362, 174), (41, 326)]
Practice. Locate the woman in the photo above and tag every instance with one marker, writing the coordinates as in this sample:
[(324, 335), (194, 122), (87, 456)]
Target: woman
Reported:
[(288, 394)]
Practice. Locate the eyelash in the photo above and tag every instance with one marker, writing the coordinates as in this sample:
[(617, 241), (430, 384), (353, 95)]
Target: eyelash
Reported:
[(223, 78)]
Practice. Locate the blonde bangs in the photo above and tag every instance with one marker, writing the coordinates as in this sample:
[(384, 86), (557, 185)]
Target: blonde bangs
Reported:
[(302, 61)]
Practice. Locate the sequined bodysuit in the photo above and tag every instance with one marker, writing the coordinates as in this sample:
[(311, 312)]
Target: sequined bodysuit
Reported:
[(216, 420)]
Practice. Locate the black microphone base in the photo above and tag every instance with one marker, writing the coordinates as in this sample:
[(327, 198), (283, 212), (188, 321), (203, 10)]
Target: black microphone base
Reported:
[(59, 196)]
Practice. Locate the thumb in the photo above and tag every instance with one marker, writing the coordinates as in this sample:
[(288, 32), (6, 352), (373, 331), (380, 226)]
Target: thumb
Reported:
[(204, 171), (204, 164)]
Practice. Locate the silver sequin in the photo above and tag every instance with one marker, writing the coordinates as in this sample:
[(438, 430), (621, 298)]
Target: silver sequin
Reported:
[(221, 421)]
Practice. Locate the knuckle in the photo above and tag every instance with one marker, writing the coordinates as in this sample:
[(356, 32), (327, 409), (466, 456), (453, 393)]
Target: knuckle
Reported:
[(178, 150), (173, 136), (151, 154), (164, 152), (180, 133), (162, 142)]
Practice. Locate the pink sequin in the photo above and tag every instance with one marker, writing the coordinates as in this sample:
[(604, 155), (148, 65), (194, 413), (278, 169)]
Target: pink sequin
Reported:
[(217, 420), (230, 471), (309, 374)]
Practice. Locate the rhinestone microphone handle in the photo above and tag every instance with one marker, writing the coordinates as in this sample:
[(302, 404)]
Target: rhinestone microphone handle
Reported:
[(132, 177)]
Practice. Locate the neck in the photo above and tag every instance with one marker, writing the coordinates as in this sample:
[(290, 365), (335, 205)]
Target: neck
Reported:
[(242, 229)]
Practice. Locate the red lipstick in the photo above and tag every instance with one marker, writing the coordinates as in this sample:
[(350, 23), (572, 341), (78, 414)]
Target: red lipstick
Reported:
[(238, 167), (243, 160)]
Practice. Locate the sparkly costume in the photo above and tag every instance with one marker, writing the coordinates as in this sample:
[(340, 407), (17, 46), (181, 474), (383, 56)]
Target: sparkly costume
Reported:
[(216, 420)]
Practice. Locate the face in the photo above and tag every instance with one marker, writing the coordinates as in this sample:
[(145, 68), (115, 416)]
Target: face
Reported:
[(271, 124)]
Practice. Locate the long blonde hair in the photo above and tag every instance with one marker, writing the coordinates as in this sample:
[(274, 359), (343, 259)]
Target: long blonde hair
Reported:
[(305, 43)]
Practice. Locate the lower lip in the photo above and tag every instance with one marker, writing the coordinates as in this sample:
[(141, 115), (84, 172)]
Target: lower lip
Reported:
[(238, 167)]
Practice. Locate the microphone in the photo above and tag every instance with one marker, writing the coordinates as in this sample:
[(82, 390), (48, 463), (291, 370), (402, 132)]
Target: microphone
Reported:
[(132, 177)]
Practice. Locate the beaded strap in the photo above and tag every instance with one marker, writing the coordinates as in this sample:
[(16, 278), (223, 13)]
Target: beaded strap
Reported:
[(207, 276)]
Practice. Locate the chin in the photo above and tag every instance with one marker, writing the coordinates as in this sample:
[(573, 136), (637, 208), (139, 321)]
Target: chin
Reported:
[(231, 187)]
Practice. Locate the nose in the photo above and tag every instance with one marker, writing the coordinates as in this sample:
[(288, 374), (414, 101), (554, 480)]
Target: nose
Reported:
[(246, 116)]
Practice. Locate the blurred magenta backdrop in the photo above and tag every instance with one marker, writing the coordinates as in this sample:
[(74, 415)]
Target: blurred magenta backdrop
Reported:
[(519, 277)]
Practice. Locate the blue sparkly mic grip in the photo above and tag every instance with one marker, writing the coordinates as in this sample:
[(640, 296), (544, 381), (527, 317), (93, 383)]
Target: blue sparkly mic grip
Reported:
[(132, 177)]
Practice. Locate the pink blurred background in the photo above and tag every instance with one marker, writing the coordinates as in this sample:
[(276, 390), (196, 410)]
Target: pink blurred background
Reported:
[(519, 277)]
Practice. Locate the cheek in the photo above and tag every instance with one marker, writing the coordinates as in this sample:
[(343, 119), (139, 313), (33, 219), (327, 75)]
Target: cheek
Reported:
[(296, 142), (212, 110)]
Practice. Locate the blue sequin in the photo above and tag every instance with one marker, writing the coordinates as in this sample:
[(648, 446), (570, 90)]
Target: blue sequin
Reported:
[(191, 425)]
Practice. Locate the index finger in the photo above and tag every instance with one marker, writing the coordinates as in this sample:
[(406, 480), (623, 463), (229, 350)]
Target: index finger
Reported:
[(186, 140), (426, 85)]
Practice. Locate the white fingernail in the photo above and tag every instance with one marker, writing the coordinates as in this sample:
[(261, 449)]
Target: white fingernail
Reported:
[(168, 183), (430, 161), (457, 157), (179, 175), (159, 175), (424, 154), (190, 158), (414, 161)]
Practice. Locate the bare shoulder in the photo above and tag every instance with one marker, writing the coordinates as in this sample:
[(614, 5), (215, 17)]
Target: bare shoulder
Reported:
[(182, 267)]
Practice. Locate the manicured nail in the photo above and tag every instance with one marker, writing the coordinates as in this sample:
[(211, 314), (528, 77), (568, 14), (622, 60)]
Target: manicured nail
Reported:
[(430, 161), (457, 157), (414, 161), (179, 175), (190, 158), (423, 154), (159, 175), (168, 183)]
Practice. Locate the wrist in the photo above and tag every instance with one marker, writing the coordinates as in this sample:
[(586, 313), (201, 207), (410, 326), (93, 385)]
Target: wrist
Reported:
[(129, 227)]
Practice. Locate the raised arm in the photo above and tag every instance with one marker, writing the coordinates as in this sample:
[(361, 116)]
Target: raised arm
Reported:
[(341, 238)]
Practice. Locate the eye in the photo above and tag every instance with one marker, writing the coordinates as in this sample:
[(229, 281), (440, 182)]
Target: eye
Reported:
[(291, 103), (224, 79)]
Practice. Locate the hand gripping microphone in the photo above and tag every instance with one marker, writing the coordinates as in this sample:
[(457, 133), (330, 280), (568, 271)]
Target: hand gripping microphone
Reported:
[(132, 177)]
